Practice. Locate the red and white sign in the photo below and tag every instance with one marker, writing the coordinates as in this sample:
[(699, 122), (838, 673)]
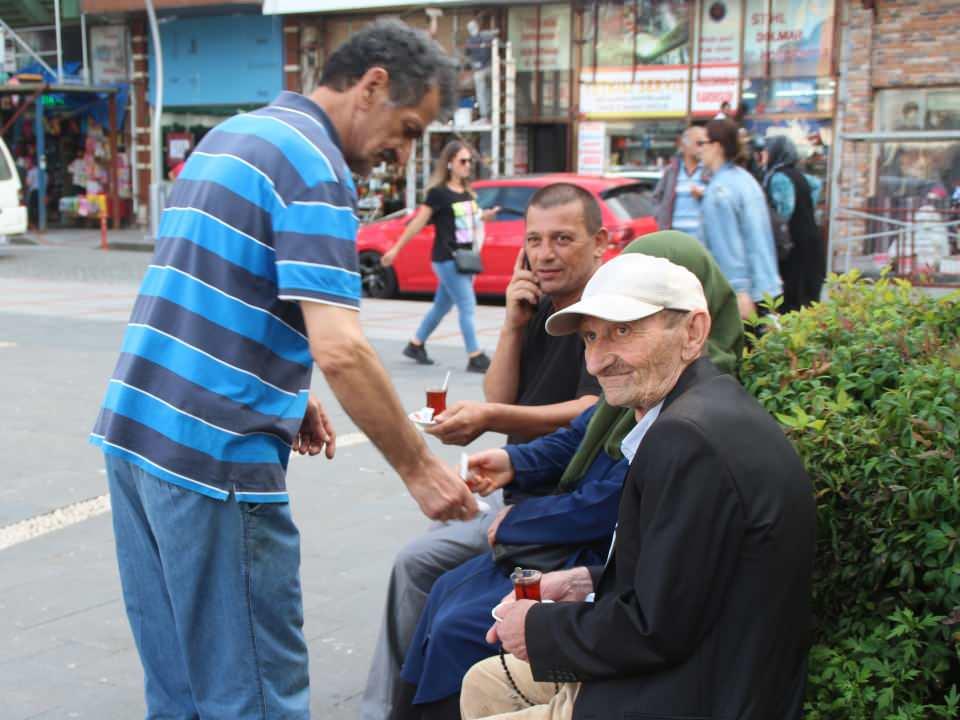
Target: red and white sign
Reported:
[(591, 148), (716, 76)]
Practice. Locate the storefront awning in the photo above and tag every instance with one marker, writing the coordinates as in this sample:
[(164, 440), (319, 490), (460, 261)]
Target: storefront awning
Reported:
[(286, 7)]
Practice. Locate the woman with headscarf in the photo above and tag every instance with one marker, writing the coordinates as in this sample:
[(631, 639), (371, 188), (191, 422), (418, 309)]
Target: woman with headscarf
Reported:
[(572, 526), (792, 195)]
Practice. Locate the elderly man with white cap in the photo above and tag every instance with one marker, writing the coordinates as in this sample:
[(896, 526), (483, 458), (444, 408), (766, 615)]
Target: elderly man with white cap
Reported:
[(702, 609)]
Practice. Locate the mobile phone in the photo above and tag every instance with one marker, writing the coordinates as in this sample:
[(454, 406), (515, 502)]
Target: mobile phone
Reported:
[(526, 261)]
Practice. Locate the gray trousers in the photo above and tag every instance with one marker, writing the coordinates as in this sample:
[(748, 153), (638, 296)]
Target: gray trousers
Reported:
[(417, 566)]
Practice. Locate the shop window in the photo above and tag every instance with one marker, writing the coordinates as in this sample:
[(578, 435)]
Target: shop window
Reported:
[(918, 172), (645, 144), (624, 34), (635, 58), (540, 38), (788, 57)]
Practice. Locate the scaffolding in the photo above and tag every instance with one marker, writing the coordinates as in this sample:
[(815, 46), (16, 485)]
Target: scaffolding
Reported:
[(906, 223), (500, 129)]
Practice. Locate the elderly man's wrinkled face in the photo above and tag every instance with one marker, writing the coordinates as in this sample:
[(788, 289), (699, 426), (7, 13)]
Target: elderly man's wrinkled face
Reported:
[(637, 363)]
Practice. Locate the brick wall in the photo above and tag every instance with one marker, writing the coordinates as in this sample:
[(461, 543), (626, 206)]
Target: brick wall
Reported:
[(915, 43), (899, 44)]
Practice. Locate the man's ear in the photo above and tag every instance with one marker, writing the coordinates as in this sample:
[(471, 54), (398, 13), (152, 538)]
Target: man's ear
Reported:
[(696, 332), (375, 80), (601, 240)]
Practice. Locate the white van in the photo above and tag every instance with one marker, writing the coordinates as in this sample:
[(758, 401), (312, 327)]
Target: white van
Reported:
[(13, 214)]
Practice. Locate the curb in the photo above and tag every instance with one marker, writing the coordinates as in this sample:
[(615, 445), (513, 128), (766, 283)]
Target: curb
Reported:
[(26, 240)]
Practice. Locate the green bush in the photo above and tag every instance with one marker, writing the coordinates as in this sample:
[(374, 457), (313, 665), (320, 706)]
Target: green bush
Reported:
[(866, 385)]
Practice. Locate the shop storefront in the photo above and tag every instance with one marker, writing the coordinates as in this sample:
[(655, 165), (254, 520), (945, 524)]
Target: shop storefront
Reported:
[(214, 67), (896, 186), (320, 33), (541, 37), (650, 67)]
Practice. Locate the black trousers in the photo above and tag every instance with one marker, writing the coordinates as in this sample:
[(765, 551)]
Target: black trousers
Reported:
[(404, 709)]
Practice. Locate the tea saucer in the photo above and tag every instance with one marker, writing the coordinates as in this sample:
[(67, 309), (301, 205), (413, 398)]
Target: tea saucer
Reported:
[(417, 418)]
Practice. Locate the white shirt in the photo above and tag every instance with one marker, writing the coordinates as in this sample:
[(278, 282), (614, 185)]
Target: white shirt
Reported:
[(633, 439), (629, 446)]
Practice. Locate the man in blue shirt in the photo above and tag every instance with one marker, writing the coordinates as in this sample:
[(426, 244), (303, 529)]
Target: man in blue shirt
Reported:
[(680, 190), (254, 280), (735, 224)]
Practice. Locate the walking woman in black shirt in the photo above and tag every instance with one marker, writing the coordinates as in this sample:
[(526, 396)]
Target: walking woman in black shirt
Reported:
[(452, 208)]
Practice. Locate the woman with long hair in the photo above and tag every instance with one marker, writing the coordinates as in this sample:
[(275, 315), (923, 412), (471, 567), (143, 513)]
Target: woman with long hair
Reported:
[(452, 208)]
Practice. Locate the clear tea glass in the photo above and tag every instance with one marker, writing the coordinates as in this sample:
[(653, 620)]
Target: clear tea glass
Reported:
[(437, 400), (526, 584)]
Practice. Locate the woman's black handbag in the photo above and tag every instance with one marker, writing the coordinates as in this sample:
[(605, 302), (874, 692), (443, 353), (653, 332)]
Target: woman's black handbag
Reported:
[(468, 262)]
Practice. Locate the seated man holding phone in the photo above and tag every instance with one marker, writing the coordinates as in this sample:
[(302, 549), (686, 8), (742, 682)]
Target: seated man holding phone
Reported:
[(535, 384)]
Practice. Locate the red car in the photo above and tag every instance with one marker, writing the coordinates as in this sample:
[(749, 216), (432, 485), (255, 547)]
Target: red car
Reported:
[(627, 214)]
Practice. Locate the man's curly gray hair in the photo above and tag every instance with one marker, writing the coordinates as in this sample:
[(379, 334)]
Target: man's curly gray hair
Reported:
[(414, 61)]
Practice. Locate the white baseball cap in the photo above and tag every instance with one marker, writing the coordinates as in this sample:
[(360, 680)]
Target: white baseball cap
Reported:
[(631, 287)]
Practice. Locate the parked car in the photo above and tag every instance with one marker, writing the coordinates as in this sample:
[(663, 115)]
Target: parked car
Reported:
[(627, 214), (13, 214), (648, 177)]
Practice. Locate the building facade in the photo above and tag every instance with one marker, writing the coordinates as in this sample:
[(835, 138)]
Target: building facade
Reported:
[(896, 188)]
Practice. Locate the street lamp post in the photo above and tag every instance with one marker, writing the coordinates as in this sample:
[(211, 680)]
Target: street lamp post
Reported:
[(156, 174)]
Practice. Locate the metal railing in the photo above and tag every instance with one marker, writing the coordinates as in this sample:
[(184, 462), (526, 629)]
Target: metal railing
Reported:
[(920, 243)]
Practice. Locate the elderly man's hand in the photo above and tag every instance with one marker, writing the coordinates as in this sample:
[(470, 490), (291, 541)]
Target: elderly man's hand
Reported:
[(571, 585), (511, 629), (461, 423)]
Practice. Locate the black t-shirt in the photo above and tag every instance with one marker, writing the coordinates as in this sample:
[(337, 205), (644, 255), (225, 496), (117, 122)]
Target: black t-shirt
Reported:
[(552, 370), (456, 217)]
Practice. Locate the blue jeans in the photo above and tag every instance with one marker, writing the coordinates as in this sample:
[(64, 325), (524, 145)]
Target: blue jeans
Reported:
[(453, 288), (212, 591)]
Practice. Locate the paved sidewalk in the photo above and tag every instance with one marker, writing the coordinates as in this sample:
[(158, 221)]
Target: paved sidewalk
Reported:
[(66, 649)]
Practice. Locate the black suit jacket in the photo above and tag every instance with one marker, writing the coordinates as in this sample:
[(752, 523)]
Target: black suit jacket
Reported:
[(703, 610)]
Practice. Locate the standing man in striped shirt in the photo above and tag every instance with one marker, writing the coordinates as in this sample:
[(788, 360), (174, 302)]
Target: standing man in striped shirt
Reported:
[(253, 281)]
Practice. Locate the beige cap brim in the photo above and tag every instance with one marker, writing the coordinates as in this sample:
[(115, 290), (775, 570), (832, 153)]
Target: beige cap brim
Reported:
[(614, 308)]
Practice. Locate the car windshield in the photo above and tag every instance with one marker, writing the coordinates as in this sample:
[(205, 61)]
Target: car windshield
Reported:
[(629, 202)]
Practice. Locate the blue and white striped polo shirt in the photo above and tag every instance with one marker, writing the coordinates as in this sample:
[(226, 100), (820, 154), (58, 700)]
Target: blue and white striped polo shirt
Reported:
[(686, 208), (214, 372)]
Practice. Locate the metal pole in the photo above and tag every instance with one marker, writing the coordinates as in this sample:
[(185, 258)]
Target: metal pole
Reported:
[(156, 175), (41, 167), (56, 21), (836, 152), (114, 206), (83, 46), (495, 107)]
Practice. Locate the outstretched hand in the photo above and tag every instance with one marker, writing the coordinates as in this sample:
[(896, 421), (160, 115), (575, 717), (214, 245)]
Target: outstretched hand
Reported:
[(488, 471)]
